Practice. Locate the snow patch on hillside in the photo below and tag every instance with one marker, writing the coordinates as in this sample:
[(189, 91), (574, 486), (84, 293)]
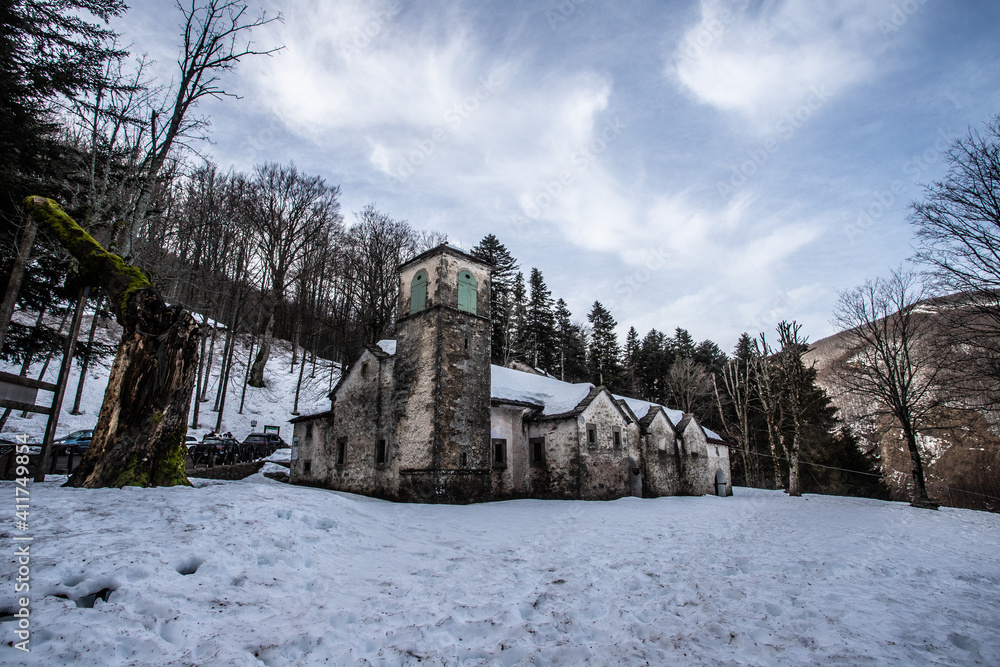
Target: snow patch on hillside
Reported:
[(270, 405)]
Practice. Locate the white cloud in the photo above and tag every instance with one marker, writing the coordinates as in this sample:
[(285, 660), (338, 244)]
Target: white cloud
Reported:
[(352, 64), (715, 272), (764, 63), (538, 146)]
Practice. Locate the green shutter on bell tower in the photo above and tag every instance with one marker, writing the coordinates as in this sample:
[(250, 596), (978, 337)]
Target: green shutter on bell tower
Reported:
[(418, 292), (467, 292)]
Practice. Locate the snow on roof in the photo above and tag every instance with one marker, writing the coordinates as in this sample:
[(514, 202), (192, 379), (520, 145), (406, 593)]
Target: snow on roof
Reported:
[(556, 396), (387, 346), (640, 408)]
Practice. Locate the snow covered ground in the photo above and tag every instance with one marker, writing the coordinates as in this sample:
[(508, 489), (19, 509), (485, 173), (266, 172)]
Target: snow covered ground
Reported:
[(259, 572), (270, 405)]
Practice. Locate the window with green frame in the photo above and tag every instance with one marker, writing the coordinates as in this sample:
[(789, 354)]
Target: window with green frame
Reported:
[(418, 292), (467, 292)]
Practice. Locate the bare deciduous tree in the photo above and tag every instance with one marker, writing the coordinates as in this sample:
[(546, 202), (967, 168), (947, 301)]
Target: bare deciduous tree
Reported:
[(796, 383), (891, 362), (378, 244), (213, 37), (289, 212), (958, 226), (737, 394), (688, 384), (768, 386)]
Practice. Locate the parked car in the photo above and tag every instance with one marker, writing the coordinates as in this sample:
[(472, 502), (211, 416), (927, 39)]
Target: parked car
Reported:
[(272, 439), (77, 441), (190, 442), (216, 451), (259, 445)]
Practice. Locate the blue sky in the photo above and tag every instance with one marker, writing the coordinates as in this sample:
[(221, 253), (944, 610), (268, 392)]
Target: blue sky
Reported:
[(717, 165)]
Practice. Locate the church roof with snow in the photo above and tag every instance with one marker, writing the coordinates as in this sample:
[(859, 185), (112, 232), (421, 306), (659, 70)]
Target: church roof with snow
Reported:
[(552, 396)]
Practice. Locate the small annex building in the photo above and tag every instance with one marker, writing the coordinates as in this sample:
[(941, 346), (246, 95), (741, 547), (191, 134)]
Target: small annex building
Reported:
[(425, 417)]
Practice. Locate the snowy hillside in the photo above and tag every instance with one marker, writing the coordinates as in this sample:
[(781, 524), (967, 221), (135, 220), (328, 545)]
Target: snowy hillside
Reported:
[(271, 405), (259, 572)]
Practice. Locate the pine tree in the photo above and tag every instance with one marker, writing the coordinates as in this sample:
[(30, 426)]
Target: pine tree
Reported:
[(710, 355), (501, 290), (577, 364), (654, 362), (847, 469), (683, 344), (605, 365), (48, 50), (571, 345), (632, 361), (563, 335), (744, 347), (515, 334), (540, 334)]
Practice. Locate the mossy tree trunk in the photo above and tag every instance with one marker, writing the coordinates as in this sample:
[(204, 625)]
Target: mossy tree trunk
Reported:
[(139, 437)]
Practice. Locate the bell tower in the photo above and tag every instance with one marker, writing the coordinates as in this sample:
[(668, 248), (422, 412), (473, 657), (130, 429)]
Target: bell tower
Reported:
[(442, 377)]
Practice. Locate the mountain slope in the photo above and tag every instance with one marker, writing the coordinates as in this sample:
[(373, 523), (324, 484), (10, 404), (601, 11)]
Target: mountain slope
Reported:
[(960, 449)]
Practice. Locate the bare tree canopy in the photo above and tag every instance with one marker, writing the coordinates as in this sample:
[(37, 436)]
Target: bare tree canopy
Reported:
[(958, 227), (688, 384), (892, 361), (214, 40), (289, 212), (958, 224)]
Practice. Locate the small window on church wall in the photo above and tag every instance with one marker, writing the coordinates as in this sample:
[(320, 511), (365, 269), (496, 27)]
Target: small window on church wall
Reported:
[(463, 460), (307, 466), (536, 451), (309, 430), (418, 292), (380, 452), (499, 453), (341, 450), (467, 292), (617, 435), (591, 435)]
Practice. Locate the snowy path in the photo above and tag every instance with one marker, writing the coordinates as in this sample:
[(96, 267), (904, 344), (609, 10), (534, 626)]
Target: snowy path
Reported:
[(296, 575)]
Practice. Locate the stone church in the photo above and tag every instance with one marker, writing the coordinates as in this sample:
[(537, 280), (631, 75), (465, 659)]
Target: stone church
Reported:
[(426, 418)]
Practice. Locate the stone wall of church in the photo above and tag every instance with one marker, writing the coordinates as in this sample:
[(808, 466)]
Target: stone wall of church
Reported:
[(508, 476), (557, 476), (696, 477), (364, 412), (718, 459), (309, 452), (603, 466), (415, 390), (456, 423), (661, 476)]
